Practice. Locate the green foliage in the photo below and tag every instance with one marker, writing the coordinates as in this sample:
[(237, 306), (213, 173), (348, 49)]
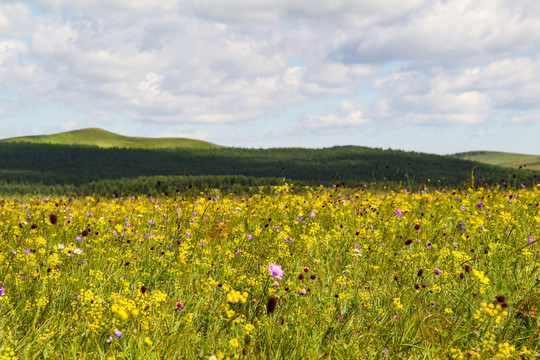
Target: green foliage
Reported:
[(62, 166)]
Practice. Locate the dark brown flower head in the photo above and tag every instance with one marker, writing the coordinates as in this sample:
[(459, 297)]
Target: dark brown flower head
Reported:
[(467, 268), (34, 226), (306, 269), (312, 277), (143, 289), (301, 276), (271, 305), (417, 227), (408, 242), (396, 278), (53, 219), (84, 233), (501, 298), (420, 272), (461, 276), (416, 286)]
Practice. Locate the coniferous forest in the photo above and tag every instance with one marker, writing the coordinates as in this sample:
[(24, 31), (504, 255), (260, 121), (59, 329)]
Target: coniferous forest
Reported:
[(28, 167)]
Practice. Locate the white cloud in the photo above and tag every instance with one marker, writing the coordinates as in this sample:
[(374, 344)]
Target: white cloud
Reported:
[(451, 32), (345, 115), (14, 19), (185, 62), (348, 11), (107, 4), (532, 118)]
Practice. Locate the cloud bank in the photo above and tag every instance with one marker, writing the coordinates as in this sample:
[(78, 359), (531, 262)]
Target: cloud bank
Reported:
[(422, 63)]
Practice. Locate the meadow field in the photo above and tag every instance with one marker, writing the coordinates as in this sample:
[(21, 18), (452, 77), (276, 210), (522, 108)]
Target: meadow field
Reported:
[(300, 273)]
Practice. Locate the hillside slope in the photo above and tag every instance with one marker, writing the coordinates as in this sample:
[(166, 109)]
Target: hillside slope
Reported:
[(504, 159), (106, 139), (50, 164)]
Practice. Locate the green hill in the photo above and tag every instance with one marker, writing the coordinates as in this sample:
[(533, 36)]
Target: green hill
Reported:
[(52, 165), (503, 159), (106, 139)]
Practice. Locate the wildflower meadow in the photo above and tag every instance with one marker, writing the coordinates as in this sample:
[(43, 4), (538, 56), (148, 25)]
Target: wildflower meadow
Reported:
[(318, 273)]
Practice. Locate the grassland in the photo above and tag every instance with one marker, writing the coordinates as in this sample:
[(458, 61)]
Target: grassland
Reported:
[(106, 139), (328, 273), (509, 160)]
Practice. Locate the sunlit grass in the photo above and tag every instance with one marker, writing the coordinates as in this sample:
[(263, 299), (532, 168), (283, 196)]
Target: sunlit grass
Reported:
[(367, 274)]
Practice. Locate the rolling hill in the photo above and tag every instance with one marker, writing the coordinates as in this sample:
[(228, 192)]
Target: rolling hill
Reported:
[(78, 159), (503, 159), (106, 139)]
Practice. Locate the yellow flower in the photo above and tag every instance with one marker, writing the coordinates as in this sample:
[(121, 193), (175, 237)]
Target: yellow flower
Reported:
[(234, 342), (248, 328), (148, 341)]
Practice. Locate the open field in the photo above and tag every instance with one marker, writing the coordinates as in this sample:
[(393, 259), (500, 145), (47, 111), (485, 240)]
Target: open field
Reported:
[(106, 139), (329, 273), (509, 160)]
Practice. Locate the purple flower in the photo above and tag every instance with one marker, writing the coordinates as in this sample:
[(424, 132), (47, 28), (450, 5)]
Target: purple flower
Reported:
[(27, 251), (398, 212), (117, 333), (275, 271), (249, 236), (429, 244), (480, 205), (436, 271), (530, 239), (463, 207), (1, 290), (385, 351), (312, 214)]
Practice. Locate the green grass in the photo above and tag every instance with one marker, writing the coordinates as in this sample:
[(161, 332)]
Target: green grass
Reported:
[(106, 139), (504, 159), (367, 274)]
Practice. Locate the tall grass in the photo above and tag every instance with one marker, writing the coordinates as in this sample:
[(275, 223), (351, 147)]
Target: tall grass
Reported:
[(367, 274)]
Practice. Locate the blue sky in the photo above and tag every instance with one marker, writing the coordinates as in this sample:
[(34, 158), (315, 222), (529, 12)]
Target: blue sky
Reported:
[(427, 76)]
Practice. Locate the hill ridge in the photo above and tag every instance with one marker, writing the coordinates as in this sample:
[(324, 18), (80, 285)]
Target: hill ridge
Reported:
[(107, 139)]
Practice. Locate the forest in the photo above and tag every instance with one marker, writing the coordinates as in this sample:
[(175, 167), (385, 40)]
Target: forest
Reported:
[(27, 167)]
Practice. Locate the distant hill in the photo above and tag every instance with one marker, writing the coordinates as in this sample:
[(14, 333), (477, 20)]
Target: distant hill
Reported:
[(106, 139), (504, 159), (53, 164)]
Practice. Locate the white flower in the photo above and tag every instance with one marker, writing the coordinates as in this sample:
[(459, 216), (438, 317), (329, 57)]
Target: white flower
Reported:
[(77, 251), (60, 246)]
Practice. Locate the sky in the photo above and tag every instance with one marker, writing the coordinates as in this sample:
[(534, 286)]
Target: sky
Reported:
[(428, 76)]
